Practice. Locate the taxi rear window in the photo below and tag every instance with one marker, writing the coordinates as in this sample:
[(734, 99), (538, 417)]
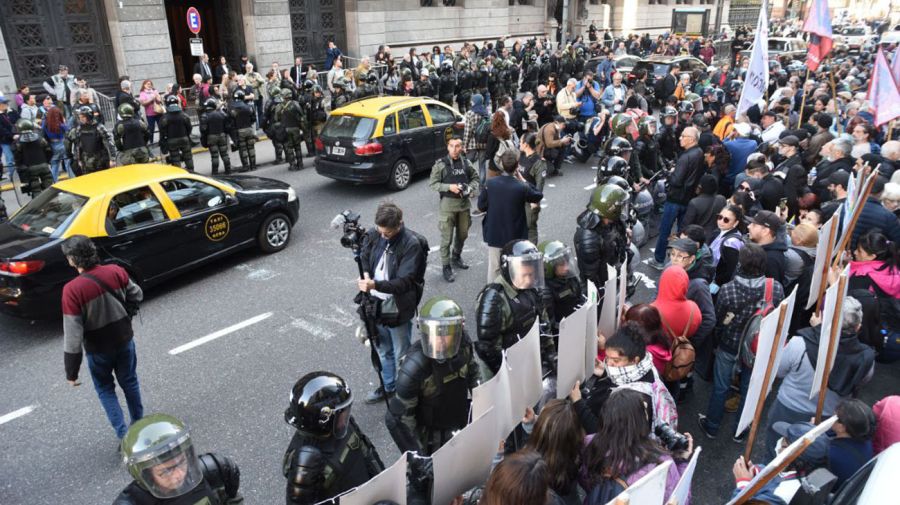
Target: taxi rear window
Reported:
[(354, 127), (49, 214)]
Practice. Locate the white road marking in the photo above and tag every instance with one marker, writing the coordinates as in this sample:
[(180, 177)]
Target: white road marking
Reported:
[(17, 414), (298, 323), (434, 248), (256, 274), (551, 185), (590, 187), (646, 281), (221, 333)]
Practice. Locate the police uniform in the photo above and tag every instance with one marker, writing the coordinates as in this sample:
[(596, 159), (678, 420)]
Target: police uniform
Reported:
[(601, 238), (32, 154), (91, 146), (175, 137), (290, 115), (530, 81), (273, 128), (215, 127), (131, 136), (447, 85), (423, 87), (464, 85), (455, 209), (243, 116), (534, 170), (562, 292), (646, 152), (328, 453), (315, 117)]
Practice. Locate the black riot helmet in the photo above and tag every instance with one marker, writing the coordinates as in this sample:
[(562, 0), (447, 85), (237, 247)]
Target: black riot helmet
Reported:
[(615, 166), (685, 107), (211, 104), (87, 113), (308, 85), (522, 265), (172, 104), (320, 404), (668, 111), (372, 78), (238, 95), (618, 147)]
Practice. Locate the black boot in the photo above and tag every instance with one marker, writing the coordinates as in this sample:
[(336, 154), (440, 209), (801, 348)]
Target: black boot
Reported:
[(458, 263), (448, 274)]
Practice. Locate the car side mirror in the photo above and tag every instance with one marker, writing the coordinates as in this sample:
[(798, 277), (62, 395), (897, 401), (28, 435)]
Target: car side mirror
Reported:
[(230, 199)]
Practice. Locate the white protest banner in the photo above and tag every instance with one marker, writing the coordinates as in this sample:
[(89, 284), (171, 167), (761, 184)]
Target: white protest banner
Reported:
[(570, 354), (769, 339), (590, 342), (790, 301), (782, 460), (649, 489), (608, 322), (827, 238), (390, 484), (494, 394), (523, 363), (683, 489), (757, 79), (829, 332), (465, 460)]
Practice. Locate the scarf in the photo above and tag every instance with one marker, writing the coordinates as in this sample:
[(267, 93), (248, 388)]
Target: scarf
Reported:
[(664, 409), (622, 375)]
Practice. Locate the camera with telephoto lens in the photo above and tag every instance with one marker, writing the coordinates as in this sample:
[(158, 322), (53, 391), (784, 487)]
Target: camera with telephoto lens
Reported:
[(464, 190), (670, 439), (353, 232)]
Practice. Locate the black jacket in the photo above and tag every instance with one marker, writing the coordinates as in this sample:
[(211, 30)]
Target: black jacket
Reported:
[(504, 200), (769, 192), (775, 261), (404, 266), (704, 210), (516, 116), (824, 170), (8, 126), (794, 182), (684, 179)]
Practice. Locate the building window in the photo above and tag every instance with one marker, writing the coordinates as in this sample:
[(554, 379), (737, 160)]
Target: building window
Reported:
[(597, 2), (513, 3), (438, 3)]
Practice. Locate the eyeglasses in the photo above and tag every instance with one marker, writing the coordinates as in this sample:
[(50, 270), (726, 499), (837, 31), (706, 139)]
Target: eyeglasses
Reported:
[(178, 463), (724, 219), (675, 255)]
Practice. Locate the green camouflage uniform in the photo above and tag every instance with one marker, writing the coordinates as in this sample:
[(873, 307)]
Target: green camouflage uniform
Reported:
[(134, 154), (535, 176), (455, 217), (291, 116), (87, 161)]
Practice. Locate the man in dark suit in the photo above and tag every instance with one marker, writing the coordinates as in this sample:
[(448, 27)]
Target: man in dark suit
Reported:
[(503, 200), (202, 67), (222, 69), (297, 73)]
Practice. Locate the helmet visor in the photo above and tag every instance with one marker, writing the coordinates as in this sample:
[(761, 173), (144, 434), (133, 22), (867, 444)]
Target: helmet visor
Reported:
[(441, 337), (342, 419), (527, 271), (562, 264), (171, 473)]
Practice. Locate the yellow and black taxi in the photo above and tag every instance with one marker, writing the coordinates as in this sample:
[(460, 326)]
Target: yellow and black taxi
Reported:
[(156, 221), (385, 139)]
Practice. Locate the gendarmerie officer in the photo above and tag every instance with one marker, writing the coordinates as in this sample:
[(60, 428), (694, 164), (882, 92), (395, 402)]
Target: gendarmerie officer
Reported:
[(32, 154), (465, 82), (436, 376), (90, 144), (315, 117), (243, 117), (160, 456), (175, 134), (271, 124), (328, 454), (601, 237), (562, 291), (292, 118), (455, 178), (131, 136), (508, 307), (215, 127), (447, 83)]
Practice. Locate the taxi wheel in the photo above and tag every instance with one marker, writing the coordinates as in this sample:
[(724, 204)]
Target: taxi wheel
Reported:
[(401, 174), (275, 233)]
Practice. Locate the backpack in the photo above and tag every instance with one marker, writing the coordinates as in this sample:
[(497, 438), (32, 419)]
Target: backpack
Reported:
[(605, 491), (483, 131), (683, 354), (750, 335), (505, 145)]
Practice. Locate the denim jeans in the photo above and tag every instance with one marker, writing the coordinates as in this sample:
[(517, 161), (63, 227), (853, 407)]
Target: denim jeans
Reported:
[(122, 362), (151, 125), (59, 157), (392, 343), (8, 159), (722, 373), (671, 212), (476, 156)]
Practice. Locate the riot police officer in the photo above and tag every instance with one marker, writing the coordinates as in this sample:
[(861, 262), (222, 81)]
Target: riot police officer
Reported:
[(131, 136), (291, 116), (90, 144), (483, 80), (562, 291), (435, 79), (271, 124), (160, 456), (501, 79), (667, 138), (685, 113), (508, 307), (316, 117), (367, 87), (215, 127), (566, 66), (328, 454), (455, 178), (514, 73), (436, 376), (579, 63), (465, 83), (447, 83), (646, 150), (601, 237), (423, 87), (32, 154), (532, 74), (340, 95), (243, 134), (175, 134)]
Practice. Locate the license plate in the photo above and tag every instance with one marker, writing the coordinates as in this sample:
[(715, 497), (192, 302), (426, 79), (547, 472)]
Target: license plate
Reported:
[(338, 151)]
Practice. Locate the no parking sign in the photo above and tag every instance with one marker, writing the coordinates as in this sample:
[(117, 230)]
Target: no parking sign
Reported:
[(193, 20)]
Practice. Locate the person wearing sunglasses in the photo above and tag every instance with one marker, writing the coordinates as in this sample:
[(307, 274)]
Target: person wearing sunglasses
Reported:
[(726, 245)]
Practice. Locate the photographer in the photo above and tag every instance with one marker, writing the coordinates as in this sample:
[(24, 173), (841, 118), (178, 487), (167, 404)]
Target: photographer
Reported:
[(393, 273), (588, 92), (544, 106), (553, 145), (455, 179), (614, 94)]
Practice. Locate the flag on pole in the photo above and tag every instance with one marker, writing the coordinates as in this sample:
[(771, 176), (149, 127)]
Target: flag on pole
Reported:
[(895, 67), (821, 38), (757, 79), (883, 93)]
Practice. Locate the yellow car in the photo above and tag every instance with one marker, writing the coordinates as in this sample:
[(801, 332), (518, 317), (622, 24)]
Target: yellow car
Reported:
[(385, 139), (154, 220)]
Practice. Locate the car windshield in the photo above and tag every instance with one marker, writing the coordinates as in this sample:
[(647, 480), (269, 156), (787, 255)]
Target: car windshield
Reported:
[(854, 31), (343, 126), (49, 214), (778, 45)]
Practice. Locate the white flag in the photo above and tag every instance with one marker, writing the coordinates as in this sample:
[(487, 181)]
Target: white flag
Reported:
[(757, 79)]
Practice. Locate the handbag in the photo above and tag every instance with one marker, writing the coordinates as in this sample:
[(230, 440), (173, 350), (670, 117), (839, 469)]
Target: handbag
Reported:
[(158, 108)]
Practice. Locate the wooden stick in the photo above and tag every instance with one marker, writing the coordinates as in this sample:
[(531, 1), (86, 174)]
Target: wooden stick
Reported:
[(781, 466), (834, 94), (765, 384), (845, 238), (832, 341), (890, 128), (825, 265), (803, 96)]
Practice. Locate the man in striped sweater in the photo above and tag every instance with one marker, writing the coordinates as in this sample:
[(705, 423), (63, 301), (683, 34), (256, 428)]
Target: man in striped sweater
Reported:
[(95, 317)]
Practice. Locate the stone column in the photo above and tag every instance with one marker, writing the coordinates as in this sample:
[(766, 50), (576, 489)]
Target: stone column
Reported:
[(7, 79), (267, 32), (139, 32)]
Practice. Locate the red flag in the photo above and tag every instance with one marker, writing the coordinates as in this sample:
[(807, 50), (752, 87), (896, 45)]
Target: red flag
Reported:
[(883, 93), (818, 24)]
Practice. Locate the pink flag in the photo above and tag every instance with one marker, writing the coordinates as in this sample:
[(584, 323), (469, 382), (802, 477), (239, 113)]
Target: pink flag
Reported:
[(883, 93), (895, 67)]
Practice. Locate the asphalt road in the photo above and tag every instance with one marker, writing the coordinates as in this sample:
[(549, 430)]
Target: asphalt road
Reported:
[(233, 390)]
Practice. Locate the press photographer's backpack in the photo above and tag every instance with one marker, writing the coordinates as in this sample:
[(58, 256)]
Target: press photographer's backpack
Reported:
[(750, 335)]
